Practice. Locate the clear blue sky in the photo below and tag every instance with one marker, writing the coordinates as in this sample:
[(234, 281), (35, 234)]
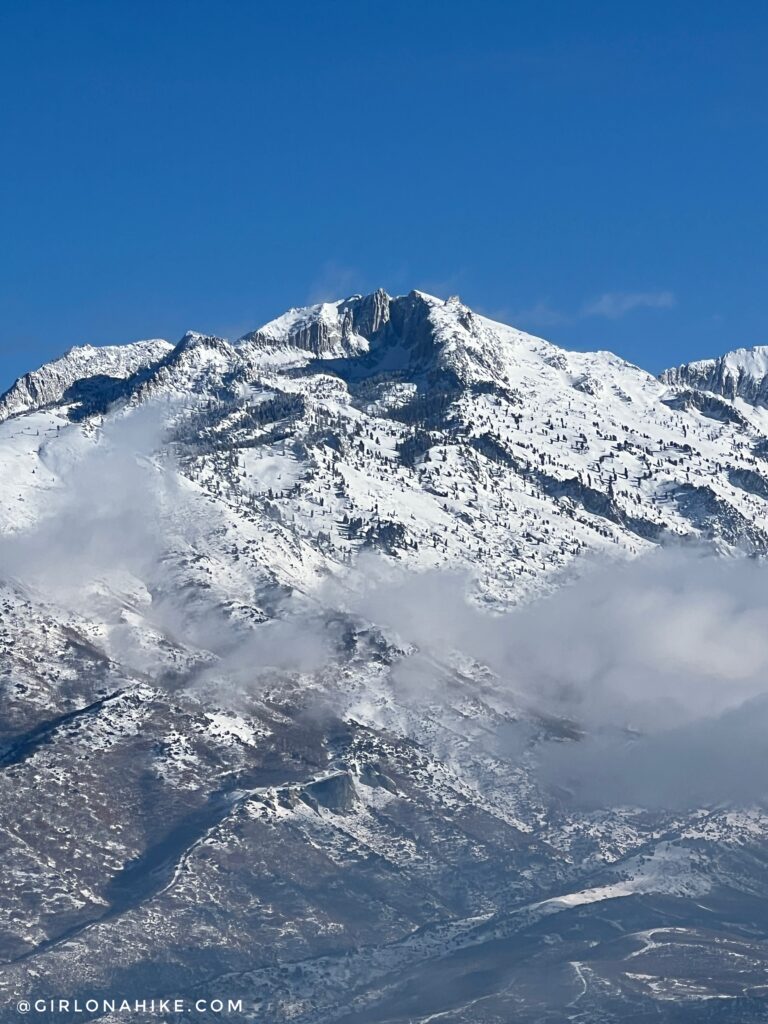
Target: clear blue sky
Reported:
[(592, 172)]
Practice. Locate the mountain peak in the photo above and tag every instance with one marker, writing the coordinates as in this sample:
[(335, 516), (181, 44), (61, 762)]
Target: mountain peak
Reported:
[(325, 330), (411, 333), (195, 340)]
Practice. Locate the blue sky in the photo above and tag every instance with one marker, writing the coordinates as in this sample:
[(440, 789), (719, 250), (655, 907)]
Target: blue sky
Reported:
[(591, 172)]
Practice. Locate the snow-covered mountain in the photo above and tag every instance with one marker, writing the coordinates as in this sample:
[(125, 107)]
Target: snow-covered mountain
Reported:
[(208, 742)]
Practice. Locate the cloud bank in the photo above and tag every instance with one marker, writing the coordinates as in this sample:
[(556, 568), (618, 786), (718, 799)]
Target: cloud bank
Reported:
[(662, 663)]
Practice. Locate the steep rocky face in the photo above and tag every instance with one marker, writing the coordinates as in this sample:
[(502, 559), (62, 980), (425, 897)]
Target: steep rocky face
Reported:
[(215, 778), (101, 366), (368, 313), (353, 328), (323, 331), (742, 373)]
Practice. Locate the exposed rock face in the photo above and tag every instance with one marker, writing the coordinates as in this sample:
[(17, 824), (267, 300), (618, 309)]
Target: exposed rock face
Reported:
[(742, 373), (336, 793), (367, 314), (706, 403), (49, 384)]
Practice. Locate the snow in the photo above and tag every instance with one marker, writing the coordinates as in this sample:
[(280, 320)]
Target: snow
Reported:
[(226, 724), (750, 361)]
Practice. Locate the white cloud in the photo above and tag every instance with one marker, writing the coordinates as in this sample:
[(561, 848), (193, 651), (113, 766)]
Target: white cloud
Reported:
[(610, 305), (613, 305), (335, 281), (539, 315), (662, 662)]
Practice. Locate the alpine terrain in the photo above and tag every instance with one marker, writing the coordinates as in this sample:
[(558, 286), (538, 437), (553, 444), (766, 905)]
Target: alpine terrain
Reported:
[(276, 722)]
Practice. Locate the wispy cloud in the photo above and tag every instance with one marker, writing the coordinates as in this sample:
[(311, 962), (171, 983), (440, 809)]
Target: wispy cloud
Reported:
[(451, 284), (609, 305), (542, 314), (335, 281), (613, 305)]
